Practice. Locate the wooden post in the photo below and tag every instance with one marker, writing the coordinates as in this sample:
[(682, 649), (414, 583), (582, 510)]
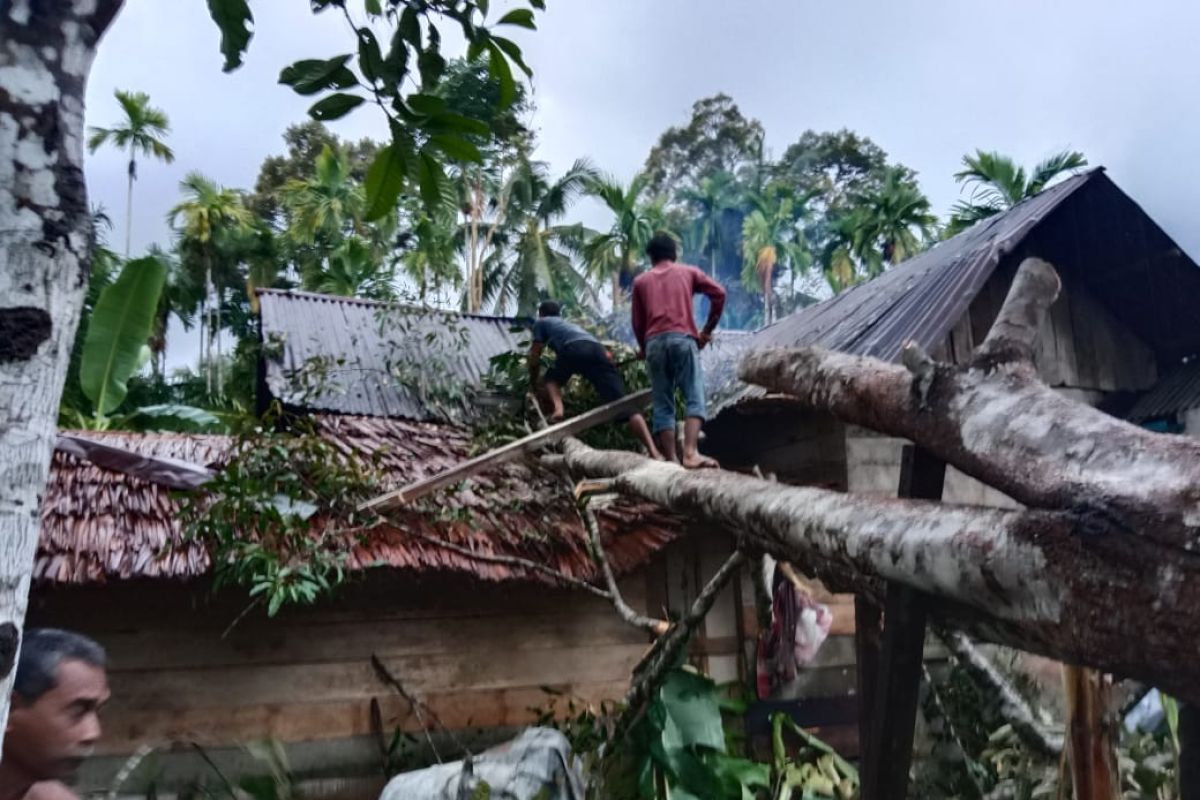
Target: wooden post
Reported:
[(1189, 752), (897, 684), (868, 639)]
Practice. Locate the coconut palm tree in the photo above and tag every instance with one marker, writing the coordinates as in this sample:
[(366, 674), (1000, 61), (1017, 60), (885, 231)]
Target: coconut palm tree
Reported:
[(614, 255), (772, 237), (534, 253), (208, 218), (141, 131), (998, 183), (709, 200)]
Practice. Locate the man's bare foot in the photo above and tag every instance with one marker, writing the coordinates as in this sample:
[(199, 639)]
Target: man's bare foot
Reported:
[(656, 456), (698, 461)]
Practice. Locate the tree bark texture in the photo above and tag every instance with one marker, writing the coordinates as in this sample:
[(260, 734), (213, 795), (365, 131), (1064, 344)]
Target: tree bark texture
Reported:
[(46, 52), (1025, 578), (996, 421)]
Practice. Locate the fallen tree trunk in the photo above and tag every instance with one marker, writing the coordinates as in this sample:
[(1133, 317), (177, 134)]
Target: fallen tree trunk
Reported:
[(997, 422), (1021, 578)]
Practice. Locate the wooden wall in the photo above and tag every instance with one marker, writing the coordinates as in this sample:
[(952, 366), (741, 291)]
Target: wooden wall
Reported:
[(1081, 345), (481, 655)]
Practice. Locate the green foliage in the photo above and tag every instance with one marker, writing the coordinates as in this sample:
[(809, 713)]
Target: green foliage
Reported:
[(281, 517), (141, 130), (998, 183), (509, 376), (235, 21), (115, 346), (423, 133), (718, 138)]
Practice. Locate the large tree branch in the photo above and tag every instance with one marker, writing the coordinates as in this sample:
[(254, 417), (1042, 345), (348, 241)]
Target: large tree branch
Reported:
[(1013, 707), (995, 421), (1023, 578)]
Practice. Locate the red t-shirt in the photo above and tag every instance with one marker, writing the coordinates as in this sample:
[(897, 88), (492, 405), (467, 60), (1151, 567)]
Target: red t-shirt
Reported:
[(662, 301)]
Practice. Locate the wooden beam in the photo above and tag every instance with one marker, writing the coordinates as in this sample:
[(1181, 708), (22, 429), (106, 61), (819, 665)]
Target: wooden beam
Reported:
[(898, 676), (569, 427), (868, 636)]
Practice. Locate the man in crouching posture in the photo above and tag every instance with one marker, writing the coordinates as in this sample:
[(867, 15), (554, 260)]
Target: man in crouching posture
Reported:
[(577, 352), (54, 721)]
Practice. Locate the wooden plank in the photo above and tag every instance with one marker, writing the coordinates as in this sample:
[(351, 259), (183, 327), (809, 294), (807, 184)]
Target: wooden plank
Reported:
[(549, 435), (162, 648), (285, 684), (125, 729), (383, 596), (896, 687)]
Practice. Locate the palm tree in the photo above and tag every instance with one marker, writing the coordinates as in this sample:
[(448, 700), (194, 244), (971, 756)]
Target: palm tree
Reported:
[(141, 131), (883, 226), (999, 184), (534, 255), (615, 254), (326, 206), (209, 216), (709, 200), (431, 259), (354, 271), (772, 236)]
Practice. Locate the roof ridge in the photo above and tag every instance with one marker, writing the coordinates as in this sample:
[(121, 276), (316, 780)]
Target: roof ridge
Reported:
[(319, 297)]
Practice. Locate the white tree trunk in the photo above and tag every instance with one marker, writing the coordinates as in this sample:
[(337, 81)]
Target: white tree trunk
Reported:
[(46, 51)]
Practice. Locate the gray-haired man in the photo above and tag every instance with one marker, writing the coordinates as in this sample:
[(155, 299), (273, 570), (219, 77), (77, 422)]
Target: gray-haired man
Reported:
[(53, 722)]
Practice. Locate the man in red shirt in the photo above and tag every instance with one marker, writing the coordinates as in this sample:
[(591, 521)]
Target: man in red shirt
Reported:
[(668, 340)]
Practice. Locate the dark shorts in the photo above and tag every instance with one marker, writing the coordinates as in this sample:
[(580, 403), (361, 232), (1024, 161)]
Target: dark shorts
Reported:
[(590, 360)]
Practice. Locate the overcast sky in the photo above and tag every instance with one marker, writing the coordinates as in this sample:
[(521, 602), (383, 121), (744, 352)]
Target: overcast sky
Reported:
[(928, 80)]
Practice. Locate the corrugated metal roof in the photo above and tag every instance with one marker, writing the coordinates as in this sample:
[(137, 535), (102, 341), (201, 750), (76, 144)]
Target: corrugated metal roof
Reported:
[(1177, 392), (1085, 226), (923, 297), (356, 356)]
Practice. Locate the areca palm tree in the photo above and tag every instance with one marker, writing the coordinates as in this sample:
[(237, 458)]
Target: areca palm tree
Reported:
[(614, 255), (431, 259), (998, 183), (709, 200), (208, 217), (141, 131), (327, 205), (354, 271), (535, 254), (771, 237), (887, 225)]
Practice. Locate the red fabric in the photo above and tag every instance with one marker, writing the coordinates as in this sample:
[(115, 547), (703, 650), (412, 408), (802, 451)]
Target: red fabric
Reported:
[(662, 301)]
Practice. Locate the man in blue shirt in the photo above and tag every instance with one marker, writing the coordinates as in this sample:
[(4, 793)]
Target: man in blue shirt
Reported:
[(577, 352)]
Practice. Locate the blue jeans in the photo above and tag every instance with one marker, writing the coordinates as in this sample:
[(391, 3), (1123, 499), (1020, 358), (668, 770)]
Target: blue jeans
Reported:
[(673, 360)]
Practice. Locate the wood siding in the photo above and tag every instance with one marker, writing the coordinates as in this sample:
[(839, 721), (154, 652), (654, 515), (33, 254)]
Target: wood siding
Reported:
[(482, 656)]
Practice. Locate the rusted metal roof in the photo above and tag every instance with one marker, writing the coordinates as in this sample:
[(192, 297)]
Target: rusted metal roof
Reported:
[(1174, 394), (103, 522), (353, 356), (1086, 226)]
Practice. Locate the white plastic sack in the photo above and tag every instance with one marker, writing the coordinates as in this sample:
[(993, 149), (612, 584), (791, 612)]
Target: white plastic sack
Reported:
[(537, 764)]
